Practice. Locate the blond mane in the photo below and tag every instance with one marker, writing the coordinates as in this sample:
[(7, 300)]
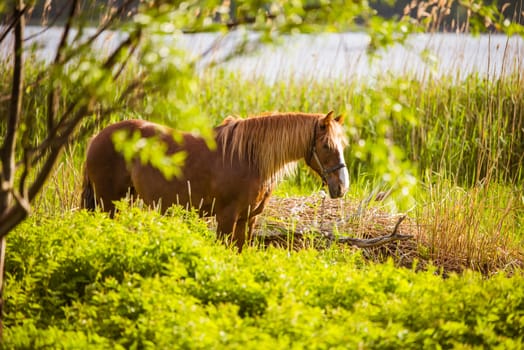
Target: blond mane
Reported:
[(271, 142)]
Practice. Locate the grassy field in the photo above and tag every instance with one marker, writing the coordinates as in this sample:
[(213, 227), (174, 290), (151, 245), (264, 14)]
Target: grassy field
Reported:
[(448, 154)]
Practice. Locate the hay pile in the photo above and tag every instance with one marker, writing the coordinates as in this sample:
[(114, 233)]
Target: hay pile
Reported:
[(319, 222)]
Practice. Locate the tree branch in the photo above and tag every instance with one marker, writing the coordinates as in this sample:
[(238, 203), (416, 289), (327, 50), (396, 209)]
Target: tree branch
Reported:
[(57, 145), (377, 241), (56, 135), (129, 42), (121, 9), (14, 22), (52, 97), (61, 133), (48, 25), (10, 218), (48, 143), (329, 237), (12, 212)]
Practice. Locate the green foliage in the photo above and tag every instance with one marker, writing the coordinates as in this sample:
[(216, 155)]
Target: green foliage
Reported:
[(152, 151), (387, 33), (490, 16), (70, 262), (144, 280)]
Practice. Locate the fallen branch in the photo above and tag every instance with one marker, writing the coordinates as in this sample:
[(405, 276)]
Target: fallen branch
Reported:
[(377, 241), (284, 232)]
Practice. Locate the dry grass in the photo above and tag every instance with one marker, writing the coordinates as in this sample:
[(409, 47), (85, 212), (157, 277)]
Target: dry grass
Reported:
[(477, 229), (447, 236)]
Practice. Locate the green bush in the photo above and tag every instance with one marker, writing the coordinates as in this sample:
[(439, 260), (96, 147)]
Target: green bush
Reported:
[(144, 280), (55, 261)]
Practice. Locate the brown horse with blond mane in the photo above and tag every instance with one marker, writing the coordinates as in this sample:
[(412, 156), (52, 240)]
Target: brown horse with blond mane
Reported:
[(232, 180)]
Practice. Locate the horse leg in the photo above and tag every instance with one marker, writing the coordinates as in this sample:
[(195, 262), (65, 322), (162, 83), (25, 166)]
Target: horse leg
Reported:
[(244, 229), (244, 232), (241, 233), (226, 225), (87, 199), (252, 222), (238, 229), (109, 189)]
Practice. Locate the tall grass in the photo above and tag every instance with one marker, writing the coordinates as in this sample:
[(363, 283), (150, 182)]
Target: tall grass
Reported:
[(480, 228), (470, 131)]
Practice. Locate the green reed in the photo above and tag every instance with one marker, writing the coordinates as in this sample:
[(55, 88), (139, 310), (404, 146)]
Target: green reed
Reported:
[(469, 131)]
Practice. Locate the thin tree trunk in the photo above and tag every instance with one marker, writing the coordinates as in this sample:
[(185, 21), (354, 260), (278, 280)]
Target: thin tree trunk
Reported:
[(8, 148)]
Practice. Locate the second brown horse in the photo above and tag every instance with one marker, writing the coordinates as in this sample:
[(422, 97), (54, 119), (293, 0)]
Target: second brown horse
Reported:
[(232, 180)]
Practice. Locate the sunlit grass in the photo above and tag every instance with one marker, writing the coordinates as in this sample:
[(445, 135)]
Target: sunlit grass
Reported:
[(479, 228)]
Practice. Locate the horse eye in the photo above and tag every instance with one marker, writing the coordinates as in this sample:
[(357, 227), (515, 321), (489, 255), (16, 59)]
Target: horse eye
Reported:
[(325, 146)]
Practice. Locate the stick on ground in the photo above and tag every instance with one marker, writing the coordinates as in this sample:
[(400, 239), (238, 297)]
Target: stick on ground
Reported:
[(377, 241)]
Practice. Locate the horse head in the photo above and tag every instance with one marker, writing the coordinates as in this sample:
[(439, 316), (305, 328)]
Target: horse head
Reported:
[(326, 156)]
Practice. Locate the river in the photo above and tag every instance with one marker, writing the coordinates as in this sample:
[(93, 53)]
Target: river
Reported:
[(338, 56)]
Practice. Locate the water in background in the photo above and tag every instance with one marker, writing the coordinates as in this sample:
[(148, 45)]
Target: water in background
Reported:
[(328, 56), (344, 56)]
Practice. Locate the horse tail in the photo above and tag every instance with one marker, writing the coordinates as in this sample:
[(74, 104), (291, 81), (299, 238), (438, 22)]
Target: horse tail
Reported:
[(87, 200)]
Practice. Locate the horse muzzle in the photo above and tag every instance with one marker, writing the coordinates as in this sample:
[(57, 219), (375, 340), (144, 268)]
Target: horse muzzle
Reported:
[(338, 183), (336, 191)]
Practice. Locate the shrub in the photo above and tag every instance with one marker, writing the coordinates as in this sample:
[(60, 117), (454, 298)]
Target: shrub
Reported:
[(144, 280)]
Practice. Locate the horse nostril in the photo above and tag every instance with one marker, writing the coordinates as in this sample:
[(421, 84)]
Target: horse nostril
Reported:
[(335, 191), (341, 190)]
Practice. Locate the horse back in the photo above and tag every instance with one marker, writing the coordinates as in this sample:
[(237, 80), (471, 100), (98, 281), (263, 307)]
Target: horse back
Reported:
[(206, 180), (195, 181)]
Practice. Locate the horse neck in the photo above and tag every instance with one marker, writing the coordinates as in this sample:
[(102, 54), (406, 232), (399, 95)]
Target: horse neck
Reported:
[(271, 144)]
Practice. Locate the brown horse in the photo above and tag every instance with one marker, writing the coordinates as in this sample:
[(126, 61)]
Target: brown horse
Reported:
[(232, 180)]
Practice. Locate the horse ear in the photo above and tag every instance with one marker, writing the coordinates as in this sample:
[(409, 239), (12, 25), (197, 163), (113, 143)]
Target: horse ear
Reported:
[(340, 119), (328, 118), (229, 119)]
